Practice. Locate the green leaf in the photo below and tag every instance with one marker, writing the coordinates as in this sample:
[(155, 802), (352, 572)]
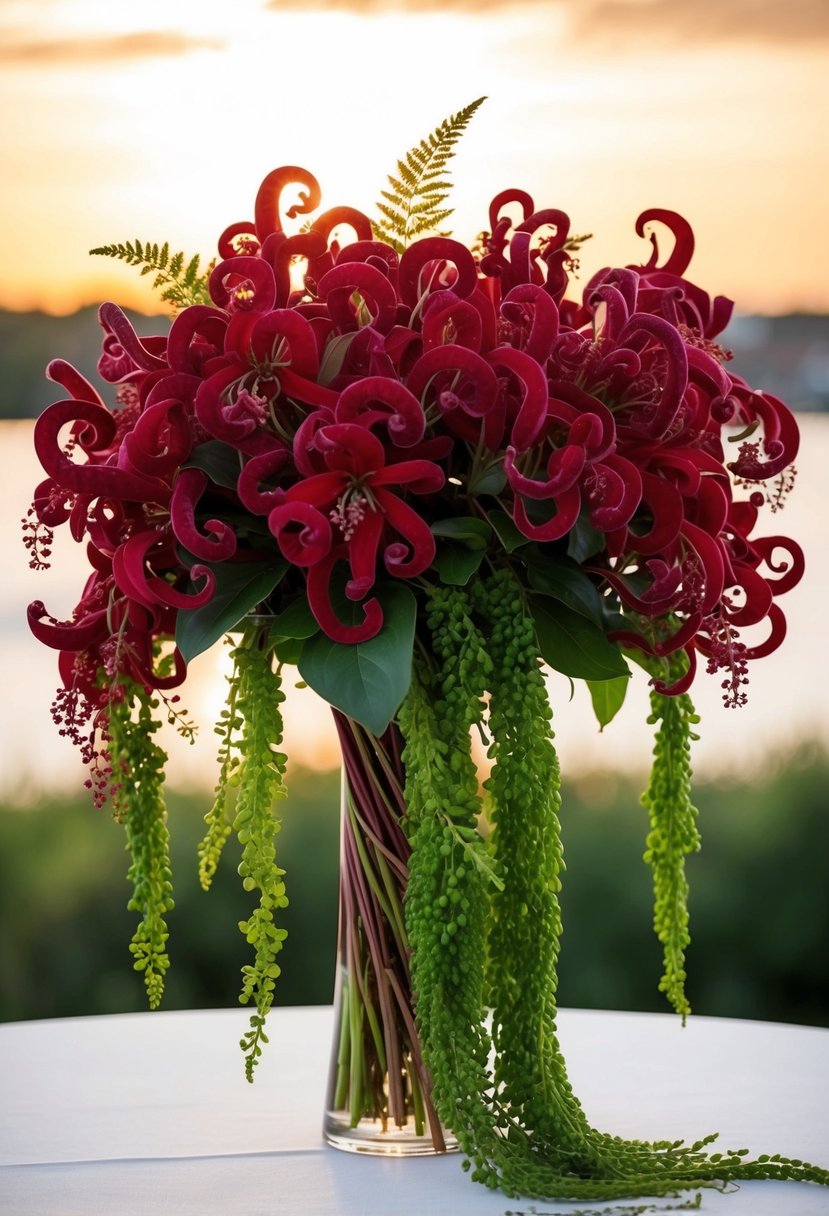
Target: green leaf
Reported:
[(510, 536), (608, 697), (456, 564), (240, 587), (367, 680), (471, 531), (417, 194), (564, 580), (573, 645), (219, 461), (490, 481), (297, 621), (583, 541)]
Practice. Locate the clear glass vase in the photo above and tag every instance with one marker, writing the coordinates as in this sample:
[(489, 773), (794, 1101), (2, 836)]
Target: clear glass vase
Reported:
[(379, 1090)]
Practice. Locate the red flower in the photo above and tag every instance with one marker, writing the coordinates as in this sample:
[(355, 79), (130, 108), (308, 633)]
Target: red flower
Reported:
[(346, 512)]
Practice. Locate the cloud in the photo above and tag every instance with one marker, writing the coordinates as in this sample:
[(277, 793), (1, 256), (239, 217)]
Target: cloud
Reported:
[(143, 44), (703, 21), (696, 21)]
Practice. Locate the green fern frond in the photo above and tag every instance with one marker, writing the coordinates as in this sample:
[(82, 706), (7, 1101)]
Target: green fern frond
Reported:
[(414, 199), (180, 284)]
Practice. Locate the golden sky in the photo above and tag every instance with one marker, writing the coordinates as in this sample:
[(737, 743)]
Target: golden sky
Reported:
[(159, 119)]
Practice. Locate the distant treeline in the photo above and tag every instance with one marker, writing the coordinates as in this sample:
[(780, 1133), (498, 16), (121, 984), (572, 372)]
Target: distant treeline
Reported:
[(759, 903), (787, 355)]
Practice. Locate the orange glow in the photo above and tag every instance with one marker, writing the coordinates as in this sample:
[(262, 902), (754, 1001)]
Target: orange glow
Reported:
[(160, 121)]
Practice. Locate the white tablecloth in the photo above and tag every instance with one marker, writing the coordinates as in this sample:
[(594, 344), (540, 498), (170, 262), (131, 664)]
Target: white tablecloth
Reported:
[(150, 1115)]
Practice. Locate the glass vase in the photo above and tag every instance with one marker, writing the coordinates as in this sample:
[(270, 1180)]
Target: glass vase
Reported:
[(379, 1090)]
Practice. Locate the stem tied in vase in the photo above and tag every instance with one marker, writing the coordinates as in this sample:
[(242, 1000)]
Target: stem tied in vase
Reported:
[(379, 1090)]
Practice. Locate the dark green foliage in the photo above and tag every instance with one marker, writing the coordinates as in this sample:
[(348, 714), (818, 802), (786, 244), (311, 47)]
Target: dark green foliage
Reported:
[(183, 281), (65, 921), (64, 862), (28, 340), (414, 202)]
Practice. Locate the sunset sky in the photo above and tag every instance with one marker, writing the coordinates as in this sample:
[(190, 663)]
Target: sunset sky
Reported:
[(158, 120)]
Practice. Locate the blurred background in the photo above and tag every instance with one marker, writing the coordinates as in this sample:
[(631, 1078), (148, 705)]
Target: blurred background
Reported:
[(159, 122)]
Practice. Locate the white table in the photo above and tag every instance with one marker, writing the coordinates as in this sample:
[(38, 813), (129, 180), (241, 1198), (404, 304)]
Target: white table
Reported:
[(150, 1115)]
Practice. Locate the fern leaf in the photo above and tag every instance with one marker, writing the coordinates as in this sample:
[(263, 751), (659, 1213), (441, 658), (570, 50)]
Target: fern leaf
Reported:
[(413, 199), (180, 285)]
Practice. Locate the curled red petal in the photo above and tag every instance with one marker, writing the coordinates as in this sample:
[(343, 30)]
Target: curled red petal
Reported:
[(269, 198), (67, 635), (219, 543), (790, 573), (683, 235), (90, 478), (379, 399), (713, 562), (414, 530), (781, 439), (159, 441), (238, 238), (684, 682), (229, 276), (339, 217), (115, 322), (137, 582), (614, 492), (563, 469), (362, 554), (419, 476), (350, 448), (254, 472), (447, 319), (319, 601), (70, 378), (757, 593), (307, 456), (664, 504), (777, 633), (476, 391), (534, 314), (282, 251), (505, 199), (659, 420), (338, 286), (571, 404), (433, 264), (302, 532), (568, 505), (532, 412), (196, 335), (287, 336)]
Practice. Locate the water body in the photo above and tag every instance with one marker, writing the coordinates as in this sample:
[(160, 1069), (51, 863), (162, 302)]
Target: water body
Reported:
[(788, 697)]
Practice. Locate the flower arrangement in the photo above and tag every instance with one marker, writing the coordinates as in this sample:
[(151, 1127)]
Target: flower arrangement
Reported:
[(416, 471)]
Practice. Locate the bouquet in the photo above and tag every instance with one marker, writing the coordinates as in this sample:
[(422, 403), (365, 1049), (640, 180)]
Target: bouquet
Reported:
[(417, 471)]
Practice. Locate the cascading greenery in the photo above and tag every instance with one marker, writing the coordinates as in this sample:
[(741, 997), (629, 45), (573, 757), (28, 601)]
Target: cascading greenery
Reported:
[(137, 763), (479, 943), (673, 826)]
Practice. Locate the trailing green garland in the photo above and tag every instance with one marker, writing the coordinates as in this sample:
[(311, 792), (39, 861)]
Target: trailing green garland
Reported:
[(673, 826), (520, 1124), (138, 801)]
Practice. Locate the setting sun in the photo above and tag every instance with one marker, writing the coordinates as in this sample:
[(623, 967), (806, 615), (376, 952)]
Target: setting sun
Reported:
[(160, 122)]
